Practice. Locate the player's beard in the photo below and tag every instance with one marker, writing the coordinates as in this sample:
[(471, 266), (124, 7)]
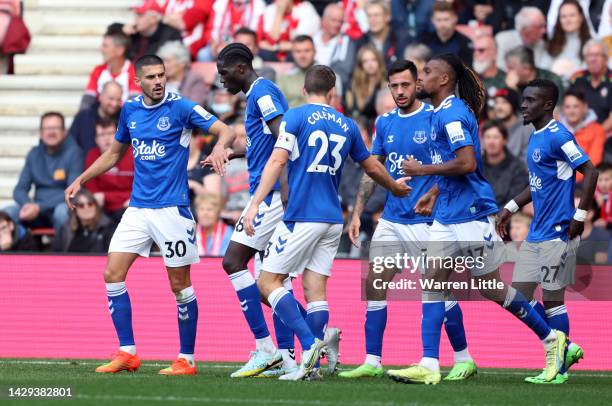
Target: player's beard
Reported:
[(422, 94)]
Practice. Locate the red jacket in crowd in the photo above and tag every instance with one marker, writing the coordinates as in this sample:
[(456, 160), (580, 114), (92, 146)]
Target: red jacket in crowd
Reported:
[(116, 184)]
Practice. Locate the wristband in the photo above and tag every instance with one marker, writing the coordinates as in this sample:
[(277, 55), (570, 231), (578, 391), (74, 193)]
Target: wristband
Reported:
[(580, 215), (511, 206)]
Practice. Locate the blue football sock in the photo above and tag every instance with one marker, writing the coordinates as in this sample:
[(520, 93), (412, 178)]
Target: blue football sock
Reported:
[(284, 335), (558, 319), (250, 302), (538, 308), (120, 309), (317, 318), (431, 328), (187, 319), (375, 324), (453, 324), (518, 305), (285, 306)]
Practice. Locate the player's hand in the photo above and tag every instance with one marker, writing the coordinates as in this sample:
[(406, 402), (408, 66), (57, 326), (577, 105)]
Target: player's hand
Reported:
[(400, 188), (575, 229), (424, 206), (217, 159), (502, 220), (353, 230), (248, 218), (411, 166), (71, 191)]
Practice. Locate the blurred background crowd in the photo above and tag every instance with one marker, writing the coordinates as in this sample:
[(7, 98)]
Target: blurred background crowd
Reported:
[(508, 43)]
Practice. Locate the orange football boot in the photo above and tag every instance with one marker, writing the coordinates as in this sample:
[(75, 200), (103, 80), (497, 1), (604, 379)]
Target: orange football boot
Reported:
[(123, 361), (179, 367)]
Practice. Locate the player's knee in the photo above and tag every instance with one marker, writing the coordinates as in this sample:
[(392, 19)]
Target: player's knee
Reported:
[(112, 274), (231, 264)]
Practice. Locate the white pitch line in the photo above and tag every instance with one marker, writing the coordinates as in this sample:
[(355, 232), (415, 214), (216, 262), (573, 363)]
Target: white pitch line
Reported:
[(225, 366), (198, 399)]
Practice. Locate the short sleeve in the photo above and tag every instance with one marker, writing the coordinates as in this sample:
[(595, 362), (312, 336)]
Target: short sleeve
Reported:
[(358, 151), (570, 151), (123, 133), (457, 133), (378, 138), (269, 105), (92, 84), (196, 115)]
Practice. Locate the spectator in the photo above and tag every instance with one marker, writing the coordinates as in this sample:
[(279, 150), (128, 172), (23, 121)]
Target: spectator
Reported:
[(505, 172), (596, 81), (181, 79), (292, 84), (582, 121), (248, 37), (604, 28), (519, 228), (14, 237), (485, 64), (521, 69), (504, 13), (116, 68), (83, 128), (112, 190), (603, 195), (419, 54), (368, 77), (331, 45), (552, 17), (282, 21), (50, 167), (87, 230), (412, 16), (192, 19), (506, 110), (148, 33), (446, 39), (212, 234), (387, 42), (570, 34), (530, 27), (228, 16)]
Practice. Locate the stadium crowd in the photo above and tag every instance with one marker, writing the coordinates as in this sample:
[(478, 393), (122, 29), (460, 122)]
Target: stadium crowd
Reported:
[(566, 41)]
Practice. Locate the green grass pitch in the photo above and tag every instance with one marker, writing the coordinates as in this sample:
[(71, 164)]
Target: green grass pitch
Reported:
[(213, 386)]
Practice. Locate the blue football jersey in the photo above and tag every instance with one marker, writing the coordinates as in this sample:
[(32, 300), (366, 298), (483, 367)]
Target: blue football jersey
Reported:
[(552, 157), (318, 139), (398, 136), (160, 137), (264, 102), (467, 197)]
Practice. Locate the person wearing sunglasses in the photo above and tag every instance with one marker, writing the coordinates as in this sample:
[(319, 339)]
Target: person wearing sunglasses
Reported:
[(87, 230)]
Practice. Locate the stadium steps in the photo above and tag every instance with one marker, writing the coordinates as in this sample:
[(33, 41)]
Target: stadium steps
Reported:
[(66, 36)]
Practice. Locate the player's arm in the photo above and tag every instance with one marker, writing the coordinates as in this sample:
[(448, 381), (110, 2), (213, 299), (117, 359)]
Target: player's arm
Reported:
[(272, 171), (425, 205), (375, 170), (221, 153), (463, 163), (105, 162), (274, 126), (589, 183), (514, 205), (366, 189)]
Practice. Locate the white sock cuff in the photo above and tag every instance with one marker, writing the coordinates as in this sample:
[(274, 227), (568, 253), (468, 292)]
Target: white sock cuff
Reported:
[(185, 296), (533, 302), (432, 296), (449, 304), (374, 305), (318, 306), (556, 311), (241, 280), (115, 289), (276, 295), (509, 296)]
